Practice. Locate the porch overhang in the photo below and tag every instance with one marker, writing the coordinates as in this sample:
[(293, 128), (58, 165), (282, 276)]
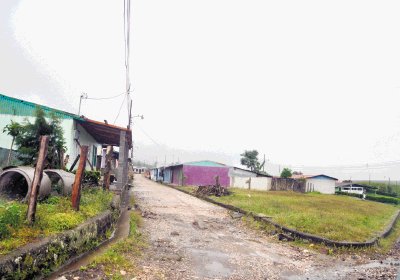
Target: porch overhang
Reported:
[(105, 134)]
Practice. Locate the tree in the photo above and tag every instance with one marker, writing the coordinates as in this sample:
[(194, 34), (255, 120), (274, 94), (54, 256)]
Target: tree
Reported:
[(13, 129), (286, 173), (28, 140), (250, 159)]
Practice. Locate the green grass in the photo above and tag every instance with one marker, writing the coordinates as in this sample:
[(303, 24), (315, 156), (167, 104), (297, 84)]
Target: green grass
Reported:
[(339, 218), (52, 216), (120, 255)]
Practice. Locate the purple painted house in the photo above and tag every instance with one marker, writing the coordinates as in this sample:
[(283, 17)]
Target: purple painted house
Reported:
[(199, 173)]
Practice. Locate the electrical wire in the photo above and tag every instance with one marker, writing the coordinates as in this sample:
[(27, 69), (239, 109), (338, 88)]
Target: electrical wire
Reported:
[(119, 111), (145, 133), (104, 98)]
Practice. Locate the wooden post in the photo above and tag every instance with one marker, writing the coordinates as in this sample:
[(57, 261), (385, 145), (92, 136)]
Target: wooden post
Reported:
[(74, 163), (37, 179), (76, 188), (90, 164), (107, 169)]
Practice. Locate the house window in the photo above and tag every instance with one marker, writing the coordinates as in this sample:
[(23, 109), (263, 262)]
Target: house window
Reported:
[(94, 155)]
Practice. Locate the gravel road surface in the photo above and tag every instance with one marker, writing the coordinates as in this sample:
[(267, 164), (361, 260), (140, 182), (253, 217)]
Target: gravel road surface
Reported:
[(193, 239)]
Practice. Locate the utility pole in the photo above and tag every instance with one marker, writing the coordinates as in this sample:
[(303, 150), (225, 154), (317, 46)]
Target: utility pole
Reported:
[(264, 163)]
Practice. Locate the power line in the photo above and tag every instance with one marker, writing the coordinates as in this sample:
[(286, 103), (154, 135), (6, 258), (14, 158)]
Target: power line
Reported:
[(145, 133), (102, 98), (119, 111)]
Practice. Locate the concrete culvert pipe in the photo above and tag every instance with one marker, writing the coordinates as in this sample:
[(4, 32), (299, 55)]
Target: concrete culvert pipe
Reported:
[(15, 183), (61, 181)]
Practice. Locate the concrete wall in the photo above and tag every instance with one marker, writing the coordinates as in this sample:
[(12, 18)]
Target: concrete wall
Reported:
[(85, 139), (205, 175), (167, 176), (254, 183), (177, 178), (321, 185), (39, 258)]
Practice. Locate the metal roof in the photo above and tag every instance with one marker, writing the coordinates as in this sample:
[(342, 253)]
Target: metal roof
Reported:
[(312, 176), (18, 107)]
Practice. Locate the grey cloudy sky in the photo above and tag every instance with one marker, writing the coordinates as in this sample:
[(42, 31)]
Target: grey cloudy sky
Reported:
[(308, 83)]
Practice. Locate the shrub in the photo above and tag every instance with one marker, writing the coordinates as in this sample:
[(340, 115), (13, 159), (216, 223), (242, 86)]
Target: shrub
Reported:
[(384, 199), (349, 194), (10, 217)]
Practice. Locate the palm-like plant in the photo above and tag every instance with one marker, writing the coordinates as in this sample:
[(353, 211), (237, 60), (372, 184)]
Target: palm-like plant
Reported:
[(13, 129)]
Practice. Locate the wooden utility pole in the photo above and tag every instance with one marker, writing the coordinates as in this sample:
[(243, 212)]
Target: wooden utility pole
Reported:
[(37, 179), (76, 188), (107, 169)]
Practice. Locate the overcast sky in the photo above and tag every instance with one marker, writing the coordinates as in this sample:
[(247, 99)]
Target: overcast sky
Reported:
[(308, 83)]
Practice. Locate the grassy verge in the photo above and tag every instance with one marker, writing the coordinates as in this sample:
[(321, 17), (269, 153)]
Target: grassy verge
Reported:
[(338, 218), (53, 215), (116, 262)]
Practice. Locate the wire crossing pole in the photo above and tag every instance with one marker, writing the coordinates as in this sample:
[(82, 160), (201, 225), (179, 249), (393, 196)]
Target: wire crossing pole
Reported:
[(37, 179)]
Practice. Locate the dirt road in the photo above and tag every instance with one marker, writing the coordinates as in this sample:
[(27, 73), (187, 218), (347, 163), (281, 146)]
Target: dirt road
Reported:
[(193, 239)]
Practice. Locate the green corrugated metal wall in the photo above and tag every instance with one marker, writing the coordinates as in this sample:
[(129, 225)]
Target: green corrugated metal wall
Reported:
[(18, 107)]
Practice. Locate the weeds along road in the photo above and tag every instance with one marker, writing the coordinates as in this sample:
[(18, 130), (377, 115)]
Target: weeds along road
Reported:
[(193, 239)]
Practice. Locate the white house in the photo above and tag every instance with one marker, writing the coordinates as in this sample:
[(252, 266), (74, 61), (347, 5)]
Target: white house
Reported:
[(78, 130), (318, 183)]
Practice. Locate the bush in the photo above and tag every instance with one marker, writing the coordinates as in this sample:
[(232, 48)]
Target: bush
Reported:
[(387, 194), (349, 194), (90, 177), (383, 199)]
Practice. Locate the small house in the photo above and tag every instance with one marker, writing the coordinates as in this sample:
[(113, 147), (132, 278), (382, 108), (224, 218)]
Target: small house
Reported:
[(318, 183)]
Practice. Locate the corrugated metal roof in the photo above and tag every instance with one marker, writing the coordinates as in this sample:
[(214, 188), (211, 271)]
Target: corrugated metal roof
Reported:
[(205, 163), (312, 176), (18, 107)]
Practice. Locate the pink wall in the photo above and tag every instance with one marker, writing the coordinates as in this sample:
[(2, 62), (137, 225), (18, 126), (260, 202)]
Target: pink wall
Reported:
[(205, 175)]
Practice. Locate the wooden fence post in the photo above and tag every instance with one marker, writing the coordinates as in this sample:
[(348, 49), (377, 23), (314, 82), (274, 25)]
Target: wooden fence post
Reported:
[(76, 188), (37, 179)]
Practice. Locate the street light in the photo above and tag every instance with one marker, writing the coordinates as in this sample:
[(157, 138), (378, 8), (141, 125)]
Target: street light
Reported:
[(138, 116)]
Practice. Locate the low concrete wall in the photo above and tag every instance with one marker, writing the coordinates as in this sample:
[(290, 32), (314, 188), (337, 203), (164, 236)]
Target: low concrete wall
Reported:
[(252, 183), (41, 258)]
